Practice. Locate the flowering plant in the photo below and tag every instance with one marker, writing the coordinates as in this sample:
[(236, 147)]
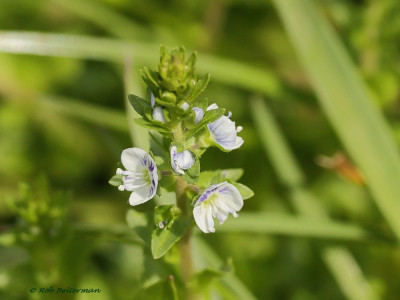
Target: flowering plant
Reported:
[(183, 126)]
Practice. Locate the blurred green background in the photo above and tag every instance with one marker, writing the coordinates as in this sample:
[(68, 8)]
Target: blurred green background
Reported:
[(313, 83)]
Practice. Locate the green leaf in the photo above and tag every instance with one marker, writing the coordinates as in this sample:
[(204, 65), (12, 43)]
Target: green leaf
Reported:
[(150, 78), (165, 214), (200, 86), (116, 180), (170, 228), (232, 174), (206, 178), (192, 174), (209, 117), (140, 105), (161, 290), (151, 125), (243, 190), (201, 103)]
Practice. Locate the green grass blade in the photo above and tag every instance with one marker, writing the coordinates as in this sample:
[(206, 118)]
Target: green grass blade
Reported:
[(272, 223), (97, 13), (305, 203), (347, 103), (139, 135), (346, 270), (87, 112), (63, 45)]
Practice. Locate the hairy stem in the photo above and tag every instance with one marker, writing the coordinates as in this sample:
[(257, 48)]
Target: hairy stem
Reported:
[(185, 242)]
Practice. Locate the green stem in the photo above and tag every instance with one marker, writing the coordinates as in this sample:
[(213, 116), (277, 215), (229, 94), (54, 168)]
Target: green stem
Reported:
[(185, 242)]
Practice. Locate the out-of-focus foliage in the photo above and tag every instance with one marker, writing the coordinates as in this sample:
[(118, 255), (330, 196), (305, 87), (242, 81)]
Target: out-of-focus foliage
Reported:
[(318, 233)]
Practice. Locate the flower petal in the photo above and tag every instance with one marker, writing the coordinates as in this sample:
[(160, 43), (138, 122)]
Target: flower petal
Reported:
[(217, 201), (132, 159), (199, 114), (212, 106), (181, 160), (158, 114), (141, 195)]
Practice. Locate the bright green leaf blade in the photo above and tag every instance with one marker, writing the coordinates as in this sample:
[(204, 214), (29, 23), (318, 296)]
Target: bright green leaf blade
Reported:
[(199, 88), (147, 124), (164, 238), (232, 174), (64, 45), (140, 105), (209, 117), (347, 103), (244, 191), (272, 223)]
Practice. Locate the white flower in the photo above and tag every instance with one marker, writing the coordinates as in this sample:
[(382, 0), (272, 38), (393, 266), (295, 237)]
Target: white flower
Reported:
[(158, 114), (199, 114), (185, 106), (181, 160), (140, 177), (223, 131), (217, 201)]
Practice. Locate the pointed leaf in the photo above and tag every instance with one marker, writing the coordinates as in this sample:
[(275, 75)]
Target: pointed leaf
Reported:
[(245, 191), (232, 174), (140, 105)]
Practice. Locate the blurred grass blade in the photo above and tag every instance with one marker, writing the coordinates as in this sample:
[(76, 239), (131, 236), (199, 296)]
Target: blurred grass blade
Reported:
[(306, 204), (270, 223), (97, 13), (87, 112), (63, 45), (347, 103), (139, 135), (229, 286), (341, 262)]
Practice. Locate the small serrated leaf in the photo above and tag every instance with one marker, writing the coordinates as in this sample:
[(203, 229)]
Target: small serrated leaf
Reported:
[(151, 125)]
